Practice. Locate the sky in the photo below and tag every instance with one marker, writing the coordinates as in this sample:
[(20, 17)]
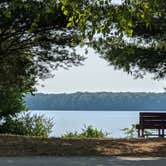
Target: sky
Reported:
[(97, 76)]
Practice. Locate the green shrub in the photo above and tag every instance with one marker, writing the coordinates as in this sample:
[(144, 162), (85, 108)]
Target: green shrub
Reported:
[(132, 132), (26, 124), (87, 132)]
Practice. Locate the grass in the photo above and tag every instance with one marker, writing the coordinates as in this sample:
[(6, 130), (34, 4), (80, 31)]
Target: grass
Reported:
[(37, 146)]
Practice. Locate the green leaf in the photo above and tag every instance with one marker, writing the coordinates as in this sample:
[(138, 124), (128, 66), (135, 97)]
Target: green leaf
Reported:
[(142, 15), (81, 44), (71, 19), (64, 2), (130, 23), (70, 24), (146, 5), (62, 8), (7, 14), (130, 32), (49, 10), (65, 12)]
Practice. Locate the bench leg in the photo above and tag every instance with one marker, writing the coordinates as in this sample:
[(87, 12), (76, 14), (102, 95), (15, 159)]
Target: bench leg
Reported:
[(159, 133), (143, 133), (138, 132), (162, 132)]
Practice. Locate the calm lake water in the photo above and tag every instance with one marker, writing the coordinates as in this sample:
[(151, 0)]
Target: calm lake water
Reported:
[(110, 121)]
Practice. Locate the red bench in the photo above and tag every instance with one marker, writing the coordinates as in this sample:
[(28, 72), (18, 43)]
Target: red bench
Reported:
[(151, 120)]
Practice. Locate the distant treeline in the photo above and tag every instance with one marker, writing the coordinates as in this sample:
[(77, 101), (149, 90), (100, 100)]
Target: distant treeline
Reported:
[(97, 101)]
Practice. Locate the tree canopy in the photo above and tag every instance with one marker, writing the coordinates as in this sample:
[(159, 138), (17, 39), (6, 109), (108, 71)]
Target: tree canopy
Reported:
[(33, 40), (37, 35), (131, 35)]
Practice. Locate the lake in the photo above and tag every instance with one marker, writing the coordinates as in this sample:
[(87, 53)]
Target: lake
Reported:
[(110, 121)]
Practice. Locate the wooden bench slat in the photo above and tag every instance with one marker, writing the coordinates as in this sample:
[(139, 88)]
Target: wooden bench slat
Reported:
[(157, 116), (152, 114)]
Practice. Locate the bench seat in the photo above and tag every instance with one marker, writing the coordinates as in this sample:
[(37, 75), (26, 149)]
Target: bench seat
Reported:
[(151, 120)]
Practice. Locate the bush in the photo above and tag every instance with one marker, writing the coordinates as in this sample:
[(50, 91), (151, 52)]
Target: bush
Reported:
[(87, 132), (26, 124), (132, 132)]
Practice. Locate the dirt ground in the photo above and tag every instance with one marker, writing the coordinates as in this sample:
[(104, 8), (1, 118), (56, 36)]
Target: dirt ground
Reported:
[(36, 146)]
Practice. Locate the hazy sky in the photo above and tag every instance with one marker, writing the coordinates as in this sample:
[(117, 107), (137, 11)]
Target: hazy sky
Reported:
[(96, 76)]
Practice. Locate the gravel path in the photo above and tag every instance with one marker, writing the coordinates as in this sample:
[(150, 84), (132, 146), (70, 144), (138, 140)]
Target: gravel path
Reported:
[(81, 161)]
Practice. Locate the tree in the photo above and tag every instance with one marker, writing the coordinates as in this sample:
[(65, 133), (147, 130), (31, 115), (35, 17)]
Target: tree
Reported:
[(146, 49), (33, 40), (131, 36), (11, 102), (33, 36)]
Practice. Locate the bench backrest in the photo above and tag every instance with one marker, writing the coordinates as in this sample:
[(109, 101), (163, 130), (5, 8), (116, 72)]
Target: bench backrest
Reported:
[(152, 119)]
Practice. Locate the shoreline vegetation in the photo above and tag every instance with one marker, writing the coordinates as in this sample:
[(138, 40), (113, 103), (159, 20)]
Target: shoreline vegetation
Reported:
[(106, 101), (12, 145)]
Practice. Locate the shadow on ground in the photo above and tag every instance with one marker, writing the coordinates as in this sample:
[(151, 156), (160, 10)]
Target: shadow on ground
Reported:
[(34, 146)]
